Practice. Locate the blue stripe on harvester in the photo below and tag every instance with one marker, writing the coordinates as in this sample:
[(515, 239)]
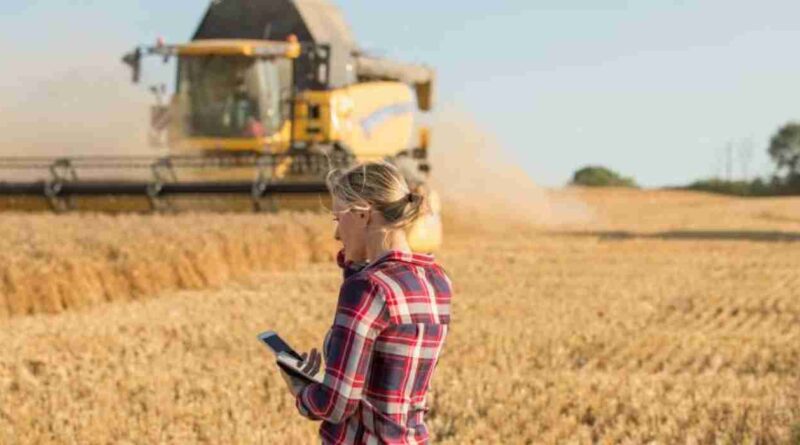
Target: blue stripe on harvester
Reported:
[(381, 115)]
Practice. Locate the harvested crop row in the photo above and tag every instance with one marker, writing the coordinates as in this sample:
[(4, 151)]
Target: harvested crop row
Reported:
[(558, 336), (51, 263)]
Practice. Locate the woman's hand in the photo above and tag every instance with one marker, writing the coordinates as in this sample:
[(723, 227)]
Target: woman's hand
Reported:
[(294, 384), (310, 364)]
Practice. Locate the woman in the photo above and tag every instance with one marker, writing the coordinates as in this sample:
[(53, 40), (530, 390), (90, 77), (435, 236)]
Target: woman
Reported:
[(391, 318)]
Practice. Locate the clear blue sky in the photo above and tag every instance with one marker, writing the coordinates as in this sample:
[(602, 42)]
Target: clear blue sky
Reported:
[(653, 89)]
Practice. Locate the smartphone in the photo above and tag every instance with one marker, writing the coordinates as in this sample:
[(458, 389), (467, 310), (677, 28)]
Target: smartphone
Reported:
[(288, 359), (276, 343)]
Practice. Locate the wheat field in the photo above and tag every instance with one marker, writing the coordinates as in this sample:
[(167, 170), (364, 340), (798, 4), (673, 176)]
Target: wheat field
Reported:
[(667, 317), (51, 263)]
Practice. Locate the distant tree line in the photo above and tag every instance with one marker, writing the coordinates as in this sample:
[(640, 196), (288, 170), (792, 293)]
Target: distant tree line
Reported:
[(598, 176), (784, 150)]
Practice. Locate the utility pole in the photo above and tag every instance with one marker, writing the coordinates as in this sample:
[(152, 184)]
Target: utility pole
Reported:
[(719, 162), (729, 161), (745, 157)]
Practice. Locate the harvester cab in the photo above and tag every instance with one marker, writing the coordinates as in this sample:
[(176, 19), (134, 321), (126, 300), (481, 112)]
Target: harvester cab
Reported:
[(231, 95), (269, 96)]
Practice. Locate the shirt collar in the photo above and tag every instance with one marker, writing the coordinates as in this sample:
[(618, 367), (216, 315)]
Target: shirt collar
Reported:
[(420, 259)]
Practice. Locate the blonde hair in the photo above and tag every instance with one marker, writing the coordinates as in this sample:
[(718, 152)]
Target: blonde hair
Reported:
[(379, 185)]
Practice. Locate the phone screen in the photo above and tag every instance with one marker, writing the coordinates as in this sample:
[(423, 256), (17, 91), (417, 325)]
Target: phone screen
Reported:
[(278, 345)]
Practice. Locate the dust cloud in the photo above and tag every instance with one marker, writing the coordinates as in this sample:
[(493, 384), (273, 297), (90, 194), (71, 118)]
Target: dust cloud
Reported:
[(70, 98), (75, 112), (479, 181)]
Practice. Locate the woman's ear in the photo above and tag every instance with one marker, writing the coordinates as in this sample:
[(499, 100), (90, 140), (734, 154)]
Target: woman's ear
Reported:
[(368, 216)]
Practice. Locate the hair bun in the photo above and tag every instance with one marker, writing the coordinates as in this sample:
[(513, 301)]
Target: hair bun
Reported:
[(413, 197)]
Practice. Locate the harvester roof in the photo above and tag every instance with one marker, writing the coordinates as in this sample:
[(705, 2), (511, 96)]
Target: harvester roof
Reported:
[(314, 21), (237, 47)]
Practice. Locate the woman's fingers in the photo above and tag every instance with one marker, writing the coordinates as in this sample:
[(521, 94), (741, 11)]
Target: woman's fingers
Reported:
[(311, 362), (304, 361), (317, 363), (308, 366)]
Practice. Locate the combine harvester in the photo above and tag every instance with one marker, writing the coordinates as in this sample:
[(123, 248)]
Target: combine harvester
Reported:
[(269, 96)]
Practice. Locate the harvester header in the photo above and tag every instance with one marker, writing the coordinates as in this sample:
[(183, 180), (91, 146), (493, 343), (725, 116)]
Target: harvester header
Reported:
[(269, 96)]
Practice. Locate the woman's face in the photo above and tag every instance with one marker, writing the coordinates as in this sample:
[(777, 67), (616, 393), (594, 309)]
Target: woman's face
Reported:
[(351, 229)]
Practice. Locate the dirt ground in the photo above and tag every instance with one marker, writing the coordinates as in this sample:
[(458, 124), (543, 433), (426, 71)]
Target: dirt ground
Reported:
[(663, 317)]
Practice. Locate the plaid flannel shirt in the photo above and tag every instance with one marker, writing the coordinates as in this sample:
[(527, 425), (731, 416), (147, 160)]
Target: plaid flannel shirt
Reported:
[(391, 322)]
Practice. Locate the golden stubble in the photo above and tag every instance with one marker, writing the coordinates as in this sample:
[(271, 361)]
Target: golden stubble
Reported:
[(673, 318)]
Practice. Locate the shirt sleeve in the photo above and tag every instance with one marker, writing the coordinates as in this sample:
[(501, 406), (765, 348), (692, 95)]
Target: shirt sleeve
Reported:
[(360, 318)]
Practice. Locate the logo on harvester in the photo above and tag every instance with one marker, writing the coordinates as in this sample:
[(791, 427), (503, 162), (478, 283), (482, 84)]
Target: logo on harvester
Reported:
[(381, 115)]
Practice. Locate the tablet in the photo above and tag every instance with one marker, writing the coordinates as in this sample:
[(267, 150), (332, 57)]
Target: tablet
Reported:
[(276, 344), (286, 357)]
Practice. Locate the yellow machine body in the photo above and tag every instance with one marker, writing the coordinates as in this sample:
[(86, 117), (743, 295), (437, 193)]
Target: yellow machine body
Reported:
[(372, 119)]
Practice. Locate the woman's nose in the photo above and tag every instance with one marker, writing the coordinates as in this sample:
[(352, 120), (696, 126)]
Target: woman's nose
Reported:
[(336, 233)]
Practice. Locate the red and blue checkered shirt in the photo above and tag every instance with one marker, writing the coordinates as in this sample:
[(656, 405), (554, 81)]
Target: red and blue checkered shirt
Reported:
[(390, 325)]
